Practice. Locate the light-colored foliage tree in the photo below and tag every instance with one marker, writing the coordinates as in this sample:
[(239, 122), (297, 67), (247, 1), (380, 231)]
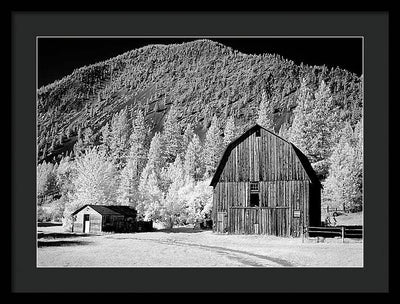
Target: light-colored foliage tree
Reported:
[(212, 148), (343, 186), (173, 204), (136, 161), (119, 134), (149, 204), (229, 131), (193, 167), (94, 182), (171, 136), (46, 181), (198, 201), (187, 138), (155, 162), (265, 113)]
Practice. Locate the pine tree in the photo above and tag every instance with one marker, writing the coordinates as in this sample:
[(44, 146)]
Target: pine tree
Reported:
[(296, 131), (192, 163), (315, 126), (171, 136), (119, 134), (187, 137), (265, 113), (130, 174), (79, 145), (212, 148), (105, 144), (155, 162), (88, 138), (229, 131)]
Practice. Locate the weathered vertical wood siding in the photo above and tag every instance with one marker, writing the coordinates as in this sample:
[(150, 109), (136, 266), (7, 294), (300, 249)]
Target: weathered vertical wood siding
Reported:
[(264, 158), (284, 187), (95, 221)]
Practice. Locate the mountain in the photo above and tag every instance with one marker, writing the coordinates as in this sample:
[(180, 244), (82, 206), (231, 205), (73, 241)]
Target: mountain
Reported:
[(201, 78)]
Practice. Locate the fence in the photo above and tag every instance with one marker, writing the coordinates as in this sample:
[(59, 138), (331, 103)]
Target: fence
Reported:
[(337, 231), (332, 209)]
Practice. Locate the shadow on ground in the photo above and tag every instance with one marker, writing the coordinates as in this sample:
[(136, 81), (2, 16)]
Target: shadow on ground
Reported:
[(180, 230), (49, 224), (60, 235), (61, 243)]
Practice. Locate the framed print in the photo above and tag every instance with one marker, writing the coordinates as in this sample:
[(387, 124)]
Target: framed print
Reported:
[(185, 156)]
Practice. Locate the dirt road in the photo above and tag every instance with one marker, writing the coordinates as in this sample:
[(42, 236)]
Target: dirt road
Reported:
[(184, 247)]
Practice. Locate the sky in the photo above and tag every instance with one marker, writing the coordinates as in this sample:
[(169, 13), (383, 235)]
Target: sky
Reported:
[(58, 57)]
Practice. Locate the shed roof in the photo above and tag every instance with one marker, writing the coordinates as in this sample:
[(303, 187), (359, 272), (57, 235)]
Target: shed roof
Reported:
[(111, 210), (303, 159)]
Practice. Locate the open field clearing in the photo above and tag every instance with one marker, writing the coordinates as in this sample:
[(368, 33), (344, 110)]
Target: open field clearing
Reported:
[(185, 247)]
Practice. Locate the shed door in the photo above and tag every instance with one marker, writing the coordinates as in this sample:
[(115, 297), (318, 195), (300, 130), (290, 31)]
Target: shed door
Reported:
[(222, 221), (86, 223)]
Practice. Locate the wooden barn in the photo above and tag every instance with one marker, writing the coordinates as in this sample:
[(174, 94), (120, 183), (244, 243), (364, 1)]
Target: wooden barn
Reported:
[(100, 218), (264, 185)]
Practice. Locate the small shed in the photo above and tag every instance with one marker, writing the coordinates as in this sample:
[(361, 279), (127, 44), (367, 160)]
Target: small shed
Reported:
[(101, 218), (264, 185)]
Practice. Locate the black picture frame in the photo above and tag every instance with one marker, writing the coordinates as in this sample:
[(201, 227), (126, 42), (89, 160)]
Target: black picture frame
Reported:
[(26, 277)]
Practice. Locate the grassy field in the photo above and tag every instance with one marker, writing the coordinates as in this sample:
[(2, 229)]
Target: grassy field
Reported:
[(185, 247)]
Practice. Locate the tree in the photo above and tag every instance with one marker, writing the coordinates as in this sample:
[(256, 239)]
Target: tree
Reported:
[(229, 131), (284, 130), (315, 126), (78, 147), (105, 144), (86, 140), (212, 148), (171, 136), (149, 205), (94, 182), (173, 204), (265, 113), (187, 138), (343, 186), (119, 134), (193, 167), (198, 201), (136, 161), (46, 181), (155, 162)]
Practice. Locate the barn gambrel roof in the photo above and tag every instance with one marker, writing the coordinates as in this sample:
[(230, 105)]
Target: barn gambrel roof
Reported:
[(303, 159)]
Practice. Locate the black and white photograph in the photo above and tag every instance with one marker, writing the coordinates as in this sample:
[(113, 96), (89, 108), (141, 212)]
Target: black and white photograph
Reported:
[(200, 151)]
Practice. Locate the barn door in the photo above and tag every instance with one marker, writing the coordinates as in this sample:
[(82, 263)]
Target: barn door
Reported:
[(86, 223), (222, 221), (279, 221)]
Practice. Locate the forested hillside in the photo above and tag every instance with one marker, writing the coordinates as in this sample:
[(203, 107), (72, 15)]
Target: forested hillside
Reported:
[(151, 124)]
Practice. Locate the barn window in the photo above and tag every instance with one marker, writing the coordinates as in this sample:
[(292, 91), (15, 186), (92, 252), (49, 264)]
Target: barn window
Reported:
[(254, 187), (254, 195), (258, 132), (254, 200)]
